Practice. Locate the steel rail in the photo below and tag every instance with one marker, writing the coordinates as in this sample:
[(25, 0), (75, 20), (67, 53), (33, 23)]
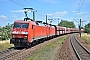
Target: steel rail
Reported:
[(79, 58), (78, 48)]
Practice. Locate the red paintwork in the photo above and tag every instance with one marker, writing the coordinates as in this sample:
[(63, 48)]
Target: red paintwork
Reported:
[(36, 31)]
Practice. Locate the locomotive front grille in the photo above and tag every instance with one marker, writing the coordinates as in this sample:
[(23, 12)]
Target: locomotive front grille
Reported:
[(18, 40)]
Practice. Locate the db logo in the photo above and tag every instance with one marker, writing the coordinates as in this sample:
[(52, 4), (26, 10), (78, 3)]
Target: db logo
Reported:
[(19, 32)]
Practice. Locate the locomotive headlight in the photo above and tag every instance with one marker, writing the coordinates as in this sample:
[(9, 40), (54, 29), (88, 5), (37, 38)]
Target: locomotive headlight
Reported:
[(13, 36), (25, 37), (14, 32)]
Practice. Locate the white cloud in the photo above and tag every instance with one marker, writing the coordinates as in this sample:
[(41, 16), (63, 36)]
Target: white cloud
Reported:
[(58, 14), (49, 14), (14, 15), (86, 18), (50, 1), (87, 1), (56, 17), (2, 17), (74, 11), (81, 13), (19, 11)]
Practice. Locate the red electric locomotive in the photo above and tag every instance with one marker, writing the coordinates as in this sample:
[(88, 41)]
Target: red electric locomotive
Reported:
[(25, 33)]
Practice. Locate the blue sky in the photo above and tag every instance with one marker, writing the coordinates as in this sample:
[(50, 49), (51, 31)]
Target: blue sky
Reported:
[(11, 10)]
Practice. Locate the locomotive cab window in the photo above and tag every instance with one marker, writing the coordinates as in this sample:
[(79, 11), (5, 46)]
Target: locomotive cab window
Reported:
[(21, 25)]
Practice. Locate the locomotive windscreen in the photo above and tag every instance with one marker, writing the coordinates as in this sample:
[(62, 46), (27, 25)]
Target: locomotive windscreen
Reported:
[(20, 25)]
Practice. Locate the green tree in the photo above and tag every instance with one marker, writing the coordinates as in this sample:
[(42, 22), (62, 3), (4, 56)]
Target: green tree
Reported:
[(87, 28), (5, 32), (67, 24)]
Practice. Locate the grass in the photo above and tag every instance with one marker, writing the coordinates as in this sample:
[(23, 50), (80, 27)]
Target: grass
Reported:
[(46, 52), (5, 44), (86, 38)]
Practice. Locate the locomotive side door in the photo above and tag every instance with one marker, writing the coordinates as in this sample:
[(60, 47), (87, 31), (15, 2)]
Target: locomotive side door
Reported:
[(33, 31)]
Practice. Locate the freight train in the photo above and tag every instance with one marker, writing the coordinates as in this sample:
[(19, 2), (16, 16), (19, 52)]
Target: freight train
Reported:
[(26, 33)]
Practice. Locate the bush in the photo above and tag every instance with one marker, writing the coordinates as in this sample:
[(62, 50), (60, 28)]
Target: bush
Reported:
[(5, 32), (87, 28)]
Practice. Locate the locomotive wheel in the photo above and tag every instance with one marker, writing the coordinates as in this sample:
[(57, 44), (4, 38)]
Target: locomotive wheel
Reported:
[(33, 43), (29, 45)]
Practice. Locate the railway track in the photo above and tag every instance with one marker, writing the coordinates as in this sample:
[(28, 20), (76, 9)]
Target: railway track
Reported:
[(9, 53), (5, 51), (81, 52)]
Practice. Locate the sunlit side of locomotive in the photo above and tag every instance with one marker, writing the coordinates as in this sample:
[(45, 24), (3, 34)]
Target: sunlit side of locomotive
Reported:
[(20, 34)]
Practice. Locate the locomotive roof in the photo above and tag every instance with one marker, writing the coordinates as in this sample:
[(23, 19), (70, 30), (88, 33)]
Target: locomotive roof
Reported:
[(21, 21)]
